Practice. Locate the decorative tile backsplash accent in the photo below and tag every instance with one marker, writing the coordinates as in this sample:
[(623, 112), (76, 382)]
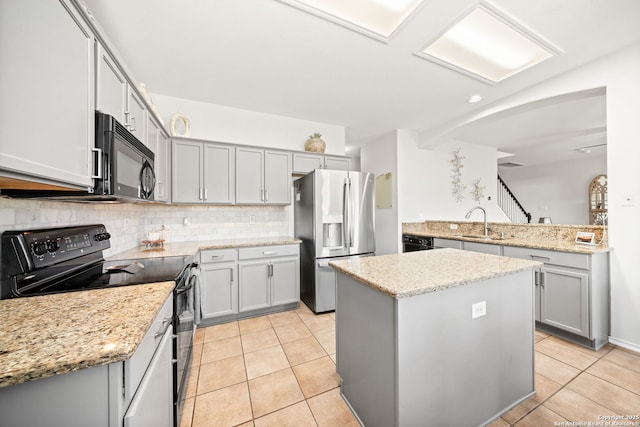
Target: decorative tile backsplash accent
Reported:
[(129, 223)]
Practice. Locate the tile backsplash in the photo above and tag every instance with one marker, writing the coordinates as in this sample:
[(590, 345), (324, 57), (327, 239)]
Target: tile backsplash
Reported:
[(129, 223)]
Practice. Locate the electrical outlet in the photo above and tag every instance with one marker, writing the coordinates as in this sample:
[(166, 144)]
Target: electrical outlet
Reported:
[(186, 221), (453, 226), (479, 309)]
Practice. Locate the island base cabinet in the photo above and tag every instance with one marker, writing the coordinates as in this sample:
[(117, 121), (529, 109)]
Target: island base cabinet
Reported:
[(428, 360)]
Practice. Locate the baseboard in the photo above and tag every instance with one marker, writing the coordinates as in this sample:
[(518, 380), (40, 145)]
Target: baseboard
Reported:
[(625, 344)]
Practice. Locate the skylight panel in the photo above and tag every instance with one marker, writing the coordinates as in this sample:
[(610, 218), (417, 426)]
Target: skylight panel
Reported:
[(488, 46), (374, 18)]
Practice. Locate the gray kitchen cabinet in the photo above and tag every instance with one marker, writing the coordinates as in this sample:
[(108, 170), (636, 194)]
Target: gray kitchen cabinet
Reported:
[(202, 173), (262, 176), (572, 293), (116, 96), (304, 163), (47, 53), (152, 405), (268, 276), (337, 163), (446, 243), (135, 115), (485, 248), (159, 144), (111, 86), (162, 166), (137, 392), (218, 283)]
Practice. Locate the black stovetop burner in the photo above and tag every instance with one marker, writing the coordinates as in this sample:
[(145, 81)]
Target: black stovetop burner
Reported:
[(40, 262)]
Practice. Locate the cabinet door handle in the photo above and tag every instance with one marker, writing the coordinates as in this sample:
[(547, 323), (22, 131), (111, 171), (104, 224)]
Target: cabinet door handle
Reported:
[(133, 125), (540, 257), (231, 274), (537, 278), (266, 195), (262, 195), (543, 278), (200, 193), (206, 194)]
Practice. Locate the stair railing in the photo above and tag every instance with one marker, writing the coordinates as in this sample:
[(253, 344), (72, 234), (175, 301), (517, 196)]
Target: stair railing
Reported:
[(510, 204)]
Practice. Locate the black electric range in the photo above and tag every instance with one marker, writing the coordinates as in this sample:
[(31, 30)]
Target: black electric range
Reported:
[(67, 259), (46, 261)]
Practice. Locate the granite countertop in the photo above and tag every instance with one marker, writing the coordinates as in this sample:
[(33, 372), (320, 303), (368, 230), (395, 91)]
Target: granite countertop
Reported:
[(49, 335), (55, 334), (415, 273), (192, 247), (529, 242)]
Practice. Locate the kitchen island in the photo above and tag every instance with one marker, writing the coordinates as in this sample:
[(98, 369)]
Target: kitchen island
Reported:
[(442, 338)]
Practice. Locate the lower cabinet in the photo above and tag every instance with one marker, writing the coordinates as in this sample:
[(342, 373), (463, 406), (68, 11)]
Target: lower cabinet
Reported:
[(137, 392), (242, 282), (572, 293), (218, 282), (564, 299), (269, 276), (152, 405)]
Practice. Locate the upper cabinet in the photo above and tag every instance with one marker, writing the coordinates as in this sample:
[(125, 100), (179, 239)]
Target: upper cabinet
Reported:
[(304, 163), (203, 173), (116, 96), (263, 176), (158, 142), (47, 54)]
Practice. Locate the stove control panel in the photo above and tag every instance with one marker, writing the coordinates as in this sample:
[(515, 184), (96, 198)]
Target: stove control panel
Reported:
[(27, 250)]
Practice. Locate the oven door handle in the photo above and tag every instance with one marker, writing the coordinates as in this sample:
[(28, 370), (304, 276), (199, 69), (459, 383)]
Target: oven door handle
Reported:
[(181, 290)]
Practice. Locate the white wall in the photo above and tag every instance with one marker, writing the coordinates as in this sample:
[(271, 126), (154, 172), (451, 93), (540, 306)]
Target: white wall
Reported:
[(618, 73), (558, 190), (380, 157), (425, 188), (237, 126)]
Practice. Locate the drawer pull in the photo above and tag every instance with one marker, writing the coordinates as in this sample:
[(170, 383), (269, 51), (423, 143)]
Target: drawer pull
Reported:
[(269, 252), (158, 334), (540, 257), (217, 256)]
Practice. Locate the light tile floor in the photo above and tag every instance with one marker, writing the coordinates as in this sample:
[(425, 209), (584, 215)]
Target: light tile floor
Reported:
[(279, 370)]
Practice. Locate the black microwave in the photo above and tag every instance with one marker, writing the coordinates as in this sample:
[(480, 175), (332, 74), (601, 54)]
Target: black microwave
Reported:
[(124, 164)]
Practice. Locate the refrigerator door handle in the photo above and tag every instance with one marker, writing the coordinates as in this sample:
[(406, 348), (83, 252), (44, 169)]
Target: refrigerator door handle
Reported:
[(345, 213), (350, 214)]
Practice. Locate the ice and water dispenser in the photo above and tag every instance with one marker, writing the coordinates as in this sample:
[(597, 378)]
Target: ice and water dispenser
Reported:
[(332, 231)]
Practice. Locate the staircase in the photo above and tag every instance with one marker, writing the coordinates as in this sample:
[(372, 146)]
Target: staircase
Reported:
[(510, 205)]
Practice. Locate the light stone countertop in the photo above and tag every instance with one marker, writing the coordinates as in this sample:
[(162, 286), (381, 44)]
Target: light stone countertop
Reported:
[(552, 237), (192, 247), (550, 245), (48, 335), (414, 273)]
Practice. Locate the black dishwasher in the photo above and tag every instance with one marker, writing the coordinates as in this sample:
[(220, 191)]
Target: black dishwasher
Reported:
[(411, 243)]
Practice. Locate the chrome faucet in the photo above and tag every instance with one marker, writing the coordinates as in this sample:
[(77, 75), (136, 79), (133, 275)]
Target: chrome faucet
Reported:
[(468, 215)]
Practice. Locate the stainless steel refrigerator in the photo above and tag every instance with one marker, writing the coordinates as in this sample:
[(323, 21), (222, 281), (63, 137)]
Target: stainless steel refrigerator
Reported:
[(334, 218)]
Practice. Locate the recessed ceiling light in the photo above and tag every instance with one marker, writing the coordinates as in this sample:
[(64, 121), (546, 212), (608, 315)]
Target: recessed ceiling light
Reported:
[(474, 98), (375, 18), (488, 45)]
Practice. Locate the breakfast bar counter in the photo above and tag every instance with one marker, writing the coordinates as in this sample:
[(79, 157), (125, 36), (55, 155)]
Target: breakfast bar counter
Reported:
[(442, 337)]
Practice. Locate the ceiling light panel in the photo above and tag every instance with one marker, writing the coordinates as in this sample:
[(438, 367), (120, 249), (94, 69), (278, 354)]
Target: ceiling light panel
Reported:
[(488, 45), (374, 18)]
